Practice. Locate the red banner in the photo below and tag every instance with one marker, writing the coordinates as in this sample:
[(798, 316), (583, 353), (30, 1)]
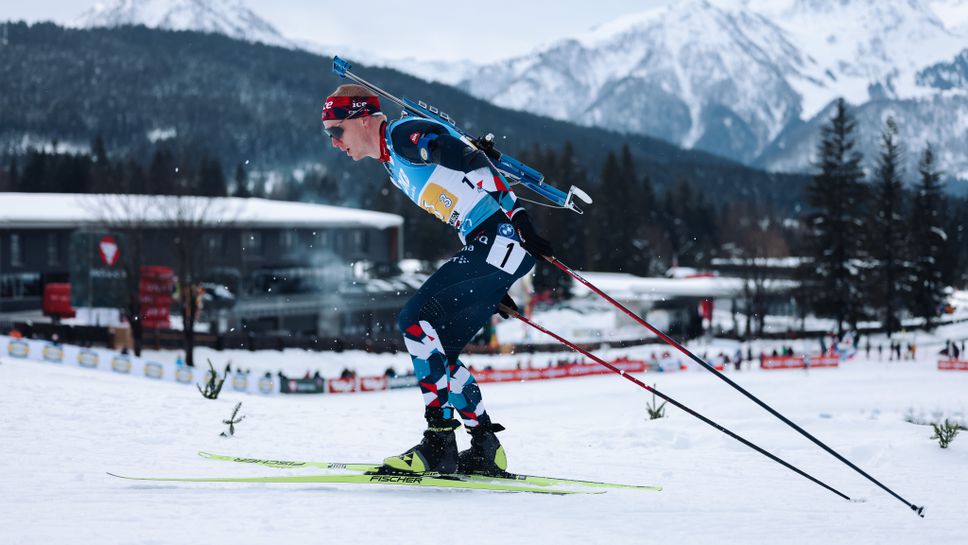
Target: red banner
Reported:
[(57, 300), (155, 291), (824, 361), (782, 362), (799, 362), (562, 371), (373, 384), (952, 365), (340, 385)]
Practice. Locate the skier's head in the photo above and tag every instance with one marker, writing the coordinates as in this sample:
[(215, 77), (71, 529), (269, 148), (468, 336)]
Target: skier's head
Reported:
[(352, 119)]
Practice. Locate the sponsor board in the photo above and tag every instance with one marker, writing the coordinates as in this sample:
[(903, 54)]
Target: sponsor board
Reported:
[(154, 369), (53, 354), (18, 349), (302, 386), (340, 385), (240, 383), (562, 371), (799, 362), (406, 381), (121, 364), (952, 365), (782, 362), (373, 384), (824, 361), (265, 385), (183, 375), (88, 359)]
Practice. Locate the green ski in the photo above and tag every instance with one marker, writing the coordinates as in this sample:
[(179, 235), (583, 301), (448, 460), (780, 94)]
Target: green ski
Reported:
[(439, 481), (532, 480)]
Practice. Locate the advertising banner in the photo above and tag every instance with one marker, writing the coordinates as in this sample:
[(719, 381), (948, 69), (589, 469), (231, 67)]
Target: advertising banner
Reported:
[(155, 291), (799, 362), (97, 359), (561, 371), (952, 365), (303, 386)]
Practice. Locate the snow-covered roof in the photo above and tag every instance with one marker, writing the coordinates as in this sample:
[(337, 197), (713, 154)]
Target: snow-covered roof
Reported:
[(631, 287), (39, 210)]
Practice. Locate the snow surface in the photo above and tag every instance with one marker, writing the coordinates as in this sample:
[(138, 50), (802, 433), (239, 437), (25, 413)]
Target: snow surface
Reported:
[(62, 428)]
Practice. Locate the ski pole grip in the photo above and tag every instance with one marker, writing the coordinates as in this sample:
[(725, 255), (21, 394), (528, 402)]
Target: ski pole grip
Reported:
[(340, 66)]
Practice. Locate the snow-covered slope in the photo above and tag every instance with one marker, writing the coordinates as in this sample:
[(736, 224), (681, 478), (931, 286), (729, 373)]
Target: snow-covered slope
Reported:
[(64, 427), (229, 17)]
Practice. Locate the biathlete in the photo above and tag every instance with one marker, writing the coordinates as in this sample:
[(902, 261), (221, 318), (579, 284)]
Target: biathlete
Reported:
[(456, 183)]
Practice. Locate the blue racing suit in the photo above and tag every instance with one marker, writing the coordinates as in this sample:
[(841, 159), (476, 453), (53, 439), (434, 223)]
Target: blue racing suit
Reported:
[(457, 184)]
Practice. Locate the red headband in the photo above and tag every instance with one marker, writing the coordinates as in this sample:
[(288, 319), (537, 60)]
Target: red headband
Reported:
[(347, 107)]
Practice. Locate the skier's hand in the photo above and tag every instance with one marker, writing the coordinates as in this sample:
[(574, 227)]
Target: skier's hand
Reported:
[(534, 243), (508, 302)]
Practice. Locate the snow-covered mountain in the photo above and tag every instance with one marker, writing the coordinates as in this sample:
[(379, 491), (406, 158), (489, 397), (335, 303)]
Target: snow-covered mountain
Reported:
[(229, 17), (738, 77), (751, 80)]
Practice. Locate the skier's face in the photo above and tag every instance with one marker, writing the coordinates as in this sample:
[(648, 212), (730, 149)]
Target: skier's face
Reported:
[(349, 136)]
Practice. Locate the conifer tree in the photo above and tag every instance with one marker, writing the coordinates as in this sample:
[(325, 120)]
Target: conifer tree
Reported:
[(887, 237), (929, 241), (833, 225), (241, 182)]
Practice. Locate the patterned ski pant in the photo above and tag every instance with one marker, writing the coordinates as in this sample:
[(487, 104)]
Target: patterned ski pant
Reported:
[(451, 307)]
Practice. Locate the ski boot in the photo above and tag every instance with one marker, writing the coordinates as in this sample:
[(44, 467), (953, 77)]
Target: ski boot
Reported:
[(436, 453), (486, 455)]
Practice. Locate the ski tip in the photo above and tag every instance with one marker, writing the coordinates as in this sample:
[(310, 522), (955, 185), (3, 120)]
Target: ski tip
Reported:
[(918, 510)]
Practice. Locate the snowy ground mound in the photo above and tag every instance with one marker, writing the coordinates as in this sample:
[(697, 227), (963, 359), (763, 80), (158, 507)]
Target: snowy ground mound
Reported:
[(63, 428)]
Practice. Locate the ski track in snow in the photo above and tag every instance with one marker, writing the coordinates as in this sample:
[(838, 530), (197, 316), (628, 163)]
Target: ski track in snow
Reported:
[(62, 428)]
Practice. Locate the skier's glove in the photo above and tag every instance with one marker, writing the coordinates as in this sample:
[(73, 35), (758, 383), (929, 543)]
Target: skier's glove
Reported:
[(534, 243), (508, 302)]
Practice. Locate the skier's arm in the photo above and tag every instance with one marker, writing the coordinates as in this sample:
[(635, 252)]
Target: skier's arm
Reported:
[(423, 142), (450, 152)]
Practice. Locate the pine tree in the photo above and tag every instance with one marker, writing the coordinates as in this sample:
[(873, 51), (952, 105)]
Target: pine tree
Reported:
[(929, 241), (887, 239), (833, 233), (241, 182), (211, 180)]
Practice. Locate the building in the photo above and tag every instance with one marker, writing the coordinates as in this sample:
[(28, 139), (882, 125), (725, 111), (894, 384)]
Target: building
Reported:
[(267, 265)]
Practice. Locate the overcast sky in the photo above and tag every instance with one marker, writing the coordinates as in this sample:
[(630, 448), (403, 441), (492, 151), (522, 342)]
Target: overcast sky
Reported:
[(428, 29)]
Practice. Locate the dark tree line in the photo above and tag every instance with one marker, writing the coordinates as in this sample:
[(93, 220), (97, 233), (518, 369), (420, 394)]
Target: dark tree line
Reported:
[(168, 173), (874, 249)]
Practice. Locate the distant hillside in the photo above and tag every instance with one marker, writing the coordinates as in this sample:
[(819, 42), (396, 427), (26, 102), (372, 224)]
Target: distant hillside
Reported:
[(250, 102)]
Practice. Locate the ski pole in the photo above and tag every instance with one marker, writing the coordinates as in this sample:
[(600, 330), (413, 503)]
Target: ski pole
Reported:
[(710, 368), (637, 382)]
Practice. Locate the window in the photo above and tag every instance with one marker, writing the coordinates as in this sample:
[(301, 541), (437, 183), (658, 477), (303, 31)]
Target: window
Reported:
[(215, 244), (324, 240), (16, 251), (20, 285), (360, 241), (252, 243), (53, 250), (287, 239)]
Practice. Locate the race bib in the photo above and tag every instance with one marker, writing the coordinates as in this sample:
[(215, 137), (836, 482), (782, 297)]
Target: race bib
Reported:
[(506, 254)]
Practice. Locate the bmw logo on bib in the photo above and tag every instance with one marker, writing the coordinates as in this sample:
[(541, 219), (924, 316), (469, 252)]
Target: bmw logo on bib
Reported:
[(506, 230)]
